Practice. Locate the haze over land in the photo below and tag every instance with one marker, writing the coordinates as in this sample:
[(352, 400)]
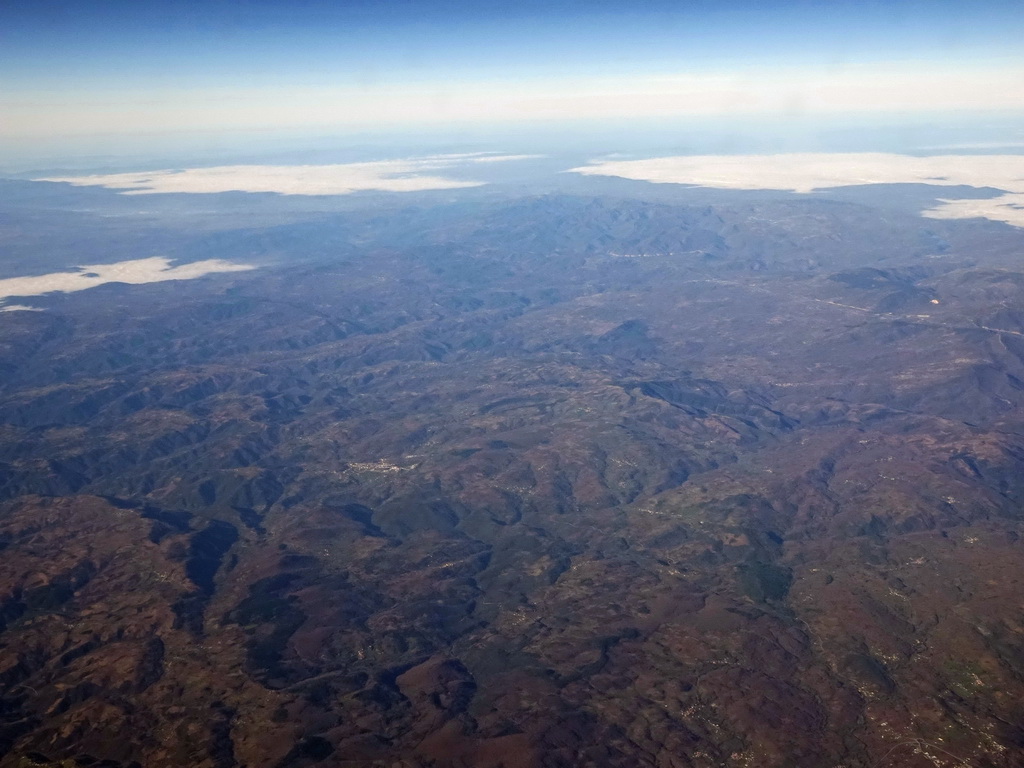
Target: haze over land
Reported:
[(589, 470)]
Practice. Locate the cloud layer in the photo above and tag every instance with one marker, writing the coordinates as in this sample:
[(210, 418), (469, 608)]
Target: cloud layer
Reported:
[(153, 270), (738, 91), (809, 172), (409, 175)]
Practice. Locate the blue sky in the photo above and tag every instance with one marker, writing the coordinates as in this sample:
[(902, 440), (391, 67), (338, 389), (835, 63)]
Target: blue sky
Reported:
[(107, 44), (108, 68)]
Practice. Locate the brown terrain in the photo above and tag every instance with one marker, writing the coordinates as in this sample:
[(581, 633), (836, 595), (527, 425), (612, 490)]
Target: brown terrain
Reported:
[(556, 481)]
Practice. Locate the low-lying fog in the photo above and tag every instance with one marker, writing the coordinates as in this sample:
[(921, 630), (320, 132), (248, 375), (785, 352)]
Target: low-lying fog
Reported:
[(408, 175), (136, 272), (810, 172)]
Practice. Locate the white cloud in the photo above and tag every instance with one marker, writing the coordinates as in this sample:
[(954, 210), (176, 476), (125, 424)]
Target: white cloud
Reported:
[(152, 270), (973, 145), (1006, 208), (809, 172), (505, 158), (409, 175)]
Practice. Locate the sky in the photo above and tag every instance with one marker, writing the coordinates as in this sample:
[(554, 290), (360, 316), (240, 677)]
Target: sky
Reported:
[(72, 70)]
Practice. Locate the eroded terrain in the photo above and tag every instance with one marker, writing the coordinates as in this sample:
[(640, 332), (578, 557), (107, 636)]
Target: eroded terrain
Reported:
[(558, 481)]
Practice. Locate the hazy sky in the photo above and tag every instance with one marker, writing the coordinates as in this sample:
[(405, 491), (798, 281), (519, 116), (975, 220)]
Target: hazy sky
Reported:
[(71, 69)]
